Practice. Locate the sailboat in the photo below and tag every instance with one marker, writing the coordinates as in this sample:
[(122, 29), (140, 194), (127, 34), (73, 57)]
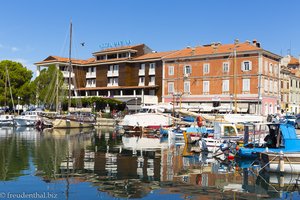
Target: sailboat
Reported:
[(75, 118)]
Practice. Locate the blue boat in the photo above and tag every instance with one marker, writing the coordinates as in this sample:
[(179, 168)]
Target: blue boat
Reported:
[(282, 138)]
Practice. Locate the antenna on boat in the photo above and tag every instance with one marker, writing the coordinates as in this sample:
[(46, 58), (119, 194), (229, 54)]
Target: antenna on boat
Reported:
[(70, 67)]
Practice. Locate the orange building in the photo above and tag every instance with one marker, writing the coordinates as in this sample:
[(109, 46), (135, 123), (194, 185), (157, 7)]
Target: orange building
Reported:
[(241, 77)]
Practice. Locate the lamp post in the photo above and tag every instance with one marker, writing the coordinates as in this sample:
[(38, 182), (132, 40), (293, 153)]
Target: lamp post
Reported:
[(136, 104), (231, 97), (18, 106)]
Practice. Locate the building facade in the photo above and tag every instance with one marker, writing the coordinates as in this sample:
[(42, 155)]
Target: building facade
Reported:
[(241, 77), (132, 74), (290, 84)]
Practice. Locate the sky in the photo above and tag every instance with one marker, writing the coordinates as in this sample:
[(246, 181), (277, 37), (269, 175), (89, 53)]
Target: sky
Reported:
[(32, 30)]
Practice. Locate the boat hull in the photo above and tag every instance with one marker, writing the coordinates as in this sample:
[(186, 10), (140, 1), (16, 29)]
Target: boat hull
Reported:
[(66, 123), (281, 162)]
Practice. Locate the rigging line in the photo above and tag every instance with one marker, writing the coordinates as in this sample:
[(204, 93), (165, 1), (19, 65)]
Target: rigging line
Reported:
[(64, 47), (12, 99)]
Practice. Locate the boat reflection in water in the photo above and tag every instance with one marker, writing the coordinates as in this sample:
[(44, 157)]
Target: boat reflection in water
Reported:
[(109, 165)]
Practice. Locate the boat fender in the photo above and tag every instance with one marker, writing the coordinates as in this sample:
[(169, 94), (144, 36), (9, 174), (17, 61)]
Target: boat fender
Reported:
[(199, 120)]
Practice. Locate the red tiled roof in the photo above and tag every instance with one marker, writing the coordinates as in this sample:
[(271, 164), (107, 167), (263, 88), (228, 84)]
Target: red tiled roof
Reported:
[(294, 61), (213, 49), (51, 59), (154, 55)]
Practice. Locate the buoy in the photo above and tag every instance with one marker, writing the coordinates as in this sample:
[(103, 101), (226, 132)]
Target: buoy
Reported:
[(230, 157), (199, 121)]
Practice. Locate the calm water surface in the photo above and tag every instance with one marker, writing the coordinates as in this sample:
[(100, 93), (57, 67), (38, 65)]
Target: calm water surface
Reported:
[(102, 164)]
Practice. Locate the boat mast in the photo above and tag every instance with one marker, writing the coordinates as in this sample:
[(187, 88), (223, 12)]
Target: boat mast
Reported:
[(8, 80), (70, 68)]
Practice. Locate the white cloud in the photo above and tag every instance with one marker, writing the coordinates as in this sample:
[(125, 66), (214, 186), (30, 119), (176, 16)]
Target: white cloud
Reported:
[(14, 49)]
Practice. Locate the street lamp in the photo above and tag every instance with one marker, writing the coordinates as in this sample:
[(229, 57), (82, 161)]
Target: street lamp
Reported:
[(18, 106), (136, 104), (231, 97)]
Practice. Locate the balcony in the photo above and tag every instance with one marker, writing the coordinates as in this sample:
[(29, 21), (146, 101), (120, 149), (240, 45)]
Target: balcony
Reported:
[(112, 84), (90, 75), (151, 83), (90, 85), (66, 74), (112, 73), (141, 72), (141, 83), (151, 71)]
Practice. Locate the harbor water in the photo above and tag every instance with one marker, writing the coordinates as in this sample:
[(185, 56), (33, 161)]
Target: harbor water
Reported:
[(105, 164)]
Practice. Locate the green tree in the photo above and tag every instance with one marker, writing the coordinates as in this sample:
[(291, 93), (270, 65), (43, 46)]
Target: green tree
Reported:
[(18, 76), (47, 83)]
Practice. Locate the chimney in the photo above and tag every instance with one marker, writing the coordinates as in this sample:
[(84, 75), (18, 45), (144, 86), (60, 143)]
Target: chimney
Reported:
[(247, 41), (236, 41), (154, 51), (188, 47), (255, 43)]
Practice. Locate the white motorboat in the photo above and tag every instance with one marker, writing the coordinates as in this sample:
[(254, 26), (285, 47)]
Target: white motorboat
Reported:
[(28, 118), (6, 120)]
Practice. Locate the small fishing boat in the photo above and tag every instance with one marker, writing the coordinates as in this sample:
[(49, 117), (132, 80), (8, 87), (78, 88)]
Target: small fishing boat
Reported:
[(278, 138)]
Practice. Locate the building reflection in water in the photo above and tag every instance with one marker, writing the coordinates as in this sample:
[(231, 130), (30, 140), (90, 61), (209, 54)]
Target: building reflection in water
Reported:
[(130, 166)]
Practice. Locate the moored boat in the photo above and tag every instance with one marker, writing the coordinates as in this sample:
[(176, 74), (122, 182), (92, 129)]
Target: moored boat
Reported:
[(74, 120), (28, 118), (6, 120)]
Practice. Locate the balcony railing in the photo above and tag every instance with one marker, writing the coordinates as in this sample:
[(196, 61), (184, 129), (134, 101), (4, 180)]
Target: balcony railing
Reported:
[(151, 83), (66, 74), (141, 83), (151, 71), (141, 72), (90, 75), (112, 84), (113, 73), (90, 85)]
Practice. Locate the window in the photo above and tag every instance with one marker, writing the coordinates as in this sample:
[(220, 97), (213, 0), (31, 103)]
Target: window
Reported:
[(246, 85), (142, 80), (113, 81), (152, 65), (142, 66), (170, 87), (205, 86), (271, 86), (225, 66), (152, 79), (116, 68), (205, 68), (271, 68), (225, 86), (171, 70), (92, 69), (275, 69), (266, 85), (246, 66), (275, 86), (266, 67), (186, 87), (187, 69)]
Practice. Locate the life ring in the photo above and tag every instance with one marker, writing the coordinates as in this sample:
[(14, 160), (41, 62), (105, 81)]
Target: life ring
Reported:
[(199, 120)]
